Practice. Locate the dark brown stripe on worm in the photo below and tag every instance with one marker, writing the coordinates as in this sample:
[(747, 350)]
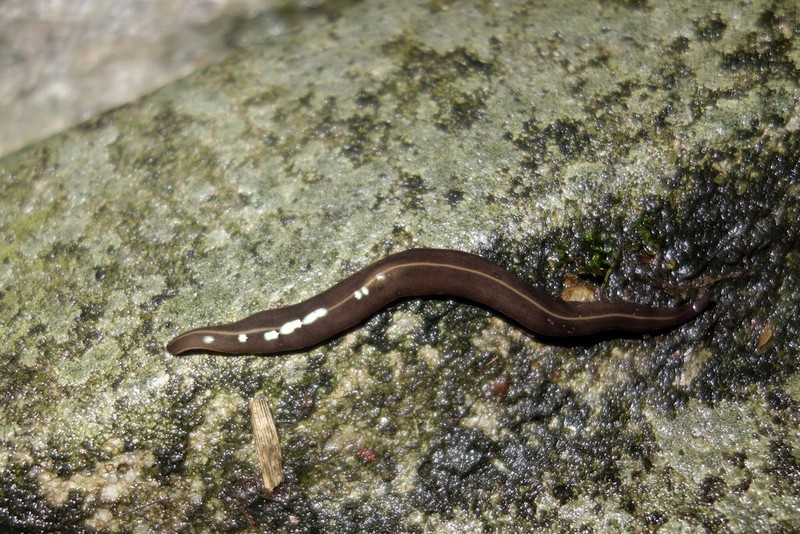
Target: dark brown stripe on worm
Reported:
[(420, 273)]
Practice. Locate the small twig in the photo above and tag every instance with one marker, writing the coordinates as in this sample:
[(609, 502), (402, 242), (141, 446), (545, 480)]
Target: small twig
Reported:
[(268, 447)]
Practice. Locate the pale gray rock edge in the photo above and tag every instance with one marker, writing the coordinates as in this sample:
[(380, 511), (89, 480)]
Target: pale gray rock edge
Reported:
[(63, 63)]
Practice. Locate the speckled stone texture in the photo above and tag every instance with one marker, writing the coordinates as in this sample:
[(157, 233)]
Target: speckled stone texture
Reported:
[(644, 149)]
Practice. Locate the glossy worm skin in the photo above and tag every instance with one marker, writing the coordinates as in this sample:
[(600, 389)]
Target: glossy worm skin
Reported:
[(420, 273)]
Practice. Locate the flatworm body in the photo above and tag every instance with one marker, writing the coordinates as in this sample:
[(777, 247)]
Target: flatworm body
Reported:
[(421, 273)]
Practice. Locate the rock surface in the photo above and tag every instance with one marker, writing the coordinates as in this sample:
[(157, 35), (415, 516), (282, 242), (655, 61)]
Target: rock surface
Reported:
[(646, 148)]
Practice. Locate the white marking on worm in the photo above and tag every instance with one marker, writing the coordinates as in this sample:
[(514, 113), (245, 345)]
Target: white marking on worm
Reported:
[(242, 338), (271, 335), (361, 293), (208, 340), (380, 277), (314, 315), (290, 327)]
